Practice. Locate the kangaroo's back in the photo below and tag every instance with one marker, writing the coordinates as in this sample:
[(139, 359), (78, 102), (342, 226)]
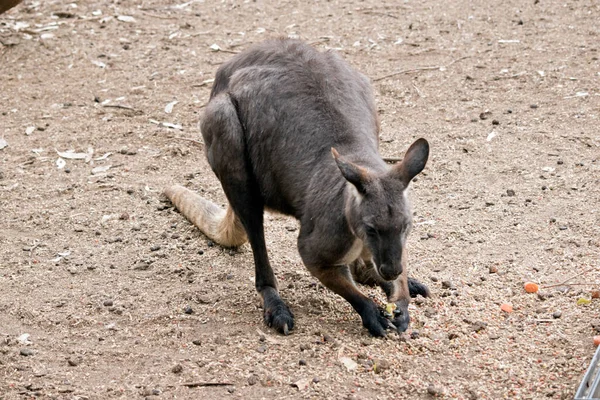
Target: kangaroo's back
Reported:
[(296, 103)]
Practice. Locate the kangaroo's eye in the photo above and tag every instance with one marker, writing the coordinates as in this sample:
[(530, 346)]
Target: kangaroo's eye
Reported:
[(371, 232)]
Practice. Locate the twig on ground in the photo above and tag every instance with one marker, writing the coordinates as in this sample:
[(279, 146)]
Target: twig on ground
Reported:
[(196, 142), (572, 284), (563, 283), (380, 13), (204, 384), (408, 71), (118, 106), (159, 16)]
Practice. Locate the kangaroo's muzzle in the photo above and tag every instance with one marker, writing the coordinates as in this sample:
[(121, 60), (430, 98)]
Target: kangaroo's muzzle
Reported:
[(389, 272)]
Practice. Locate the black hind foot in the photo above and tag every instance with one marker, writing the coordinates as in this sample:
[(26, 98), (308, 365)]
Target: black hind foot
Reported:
[(416, 288), (277, 314)]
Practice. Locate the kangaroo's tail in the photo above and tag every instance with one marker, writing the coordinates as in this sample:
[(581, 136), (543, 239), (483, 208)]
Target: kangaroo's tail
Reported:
[(222, 226)]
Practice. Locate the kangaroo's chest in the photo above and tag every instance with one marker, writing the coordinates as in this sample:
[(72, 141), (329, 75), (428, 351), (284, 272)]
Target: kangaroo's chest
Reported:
[(354, 252)]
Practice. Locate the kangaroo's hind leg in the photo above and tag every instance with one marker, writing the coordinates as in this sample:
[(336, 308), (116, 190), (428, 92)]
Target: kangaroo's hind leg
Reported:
[(225, 149)]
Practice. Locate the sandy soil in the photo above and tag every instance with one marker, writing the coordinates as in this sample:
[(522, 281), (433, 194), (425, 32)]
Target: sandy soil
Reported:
[(99, 270)]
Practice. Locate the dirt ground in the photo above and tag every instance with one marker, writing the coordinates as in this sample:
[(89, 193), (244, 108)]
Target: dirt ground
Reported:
[(107, 292)]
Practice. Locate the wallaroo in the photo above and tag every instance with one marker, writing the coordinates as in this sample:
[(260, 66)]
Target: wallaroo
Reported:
[(294, 130)]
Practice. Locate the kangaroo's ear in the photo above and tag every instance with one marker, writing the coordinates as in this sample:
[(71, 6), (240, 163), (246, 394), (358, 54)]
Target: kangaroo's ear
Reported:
[(355, 174), (414, 161)]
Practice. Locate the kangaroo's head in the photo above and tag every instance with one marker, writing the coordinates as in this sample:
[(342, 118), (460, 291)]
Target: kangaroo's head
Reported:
[(378, 211)]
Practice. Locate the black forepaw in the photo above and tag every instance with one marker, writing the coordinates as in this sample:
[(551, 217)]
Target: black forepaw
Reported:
[(416, 288)]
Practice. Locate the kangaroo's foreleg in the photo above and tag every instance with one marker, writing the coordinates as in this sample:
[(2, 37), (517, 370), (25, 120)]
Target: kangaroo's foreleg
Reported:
[(339, 280), (398, 291), (364, 272), (225, 149)]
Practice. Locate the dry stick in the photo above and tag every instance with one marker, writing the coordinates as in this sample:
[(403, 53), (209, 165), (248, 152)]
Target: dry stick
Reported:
[(197, 142), (572, 284), (203, 384), (228, 51), (319, 40), (158, 16), (408, 71), (373, 12), (118, 106), (570, 279)]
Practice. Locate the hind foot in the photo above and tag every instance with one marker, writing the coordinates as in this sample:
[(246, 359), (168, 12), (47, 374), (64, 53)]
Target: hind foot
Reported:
[(277, 314)]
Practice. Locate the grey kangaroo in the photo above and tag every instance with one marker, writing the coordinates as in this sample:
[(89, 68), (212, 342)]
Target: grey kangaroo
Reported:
[(294, 130)]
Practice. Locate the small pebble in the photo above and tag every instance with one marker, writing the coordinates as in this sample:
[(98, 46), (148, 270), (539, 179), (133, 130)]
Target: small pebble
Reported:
[(230, 389), (510, 192), (188, 309), (533, 106), (495, 122), (177, 369), (414, 335), (73, 362), (380, 365), (434, 390), (485, 115), (262, 349), (252, 380), (478, 326), (433, 278), (26, 352), (447, 285), (556, 314), (316, 379), (108, 303), (142, 266), (430, 312), (155, 248), (302, 362), (493, 269), (197, 342)]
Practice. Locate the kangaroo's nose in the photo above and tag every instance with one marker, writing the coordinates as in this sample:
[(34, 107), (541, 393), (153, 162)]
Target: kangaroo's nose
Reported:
[(388, 272)]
